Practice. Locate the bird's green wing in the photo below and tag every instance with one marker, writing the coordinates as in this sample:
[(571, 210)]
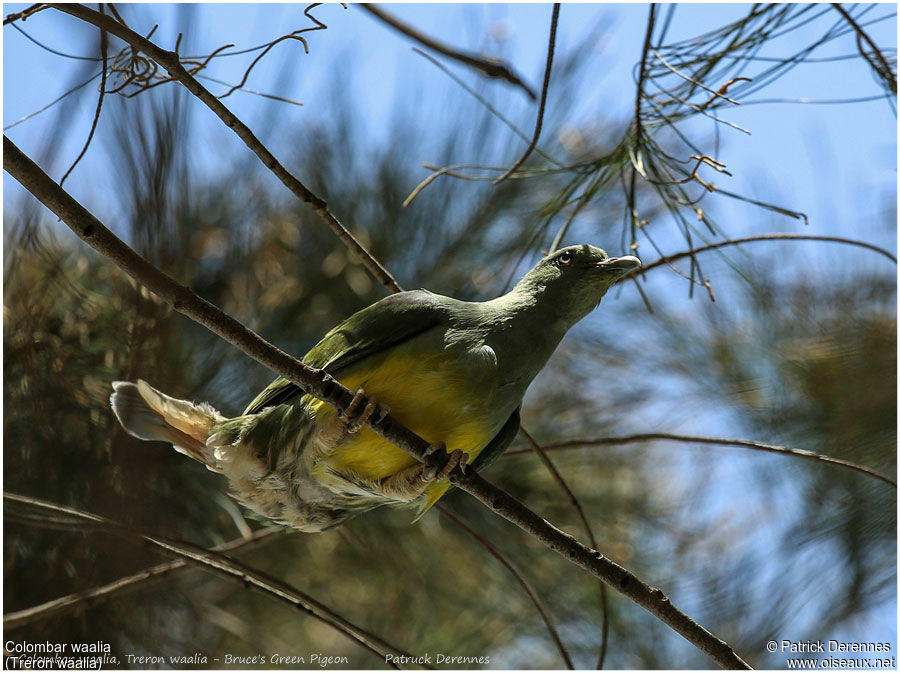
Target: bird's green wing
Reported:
[(385, 324), (499, 443)]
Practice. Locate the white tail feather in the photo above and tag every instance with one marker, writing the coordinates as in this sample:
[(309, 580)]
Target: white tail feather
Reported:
[(146, 413)]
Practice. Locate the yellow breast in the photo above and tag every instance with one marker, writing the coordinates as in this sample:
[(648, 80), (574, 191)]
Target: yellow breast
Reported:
[(431, 395)]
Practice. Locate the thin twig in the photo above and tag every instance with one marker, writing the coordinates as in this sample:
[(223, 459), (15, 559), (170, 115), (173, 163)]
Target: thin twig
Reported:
[(692, 439), (292, 36), (171, 62), (715, 94), (551, 468), (638, 123), (885, 69), (557, 240), (218, 564), (53, 102), (104, 41), (722, 90), (763, 237), (139, 580), (489, 67), (427, 181), (55, 52), (326, 388), (295, 35), (270, 96), (797, 215), (25, 13), (535, 598), (485, 103), (551, 45)]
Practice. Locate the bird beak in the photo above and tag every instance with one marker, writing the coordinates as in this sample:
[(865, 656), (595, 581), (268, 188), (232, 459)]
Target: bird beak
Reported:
[(620, 265)]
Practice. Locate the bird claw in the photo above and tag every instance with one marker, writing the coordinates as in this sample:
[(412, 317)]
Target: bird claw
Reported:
[(438, 463), (362, 409)]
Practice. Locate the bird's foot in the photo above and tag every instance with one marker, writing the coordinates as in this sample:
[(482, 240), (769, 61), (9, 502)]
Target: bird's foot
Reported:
[(439, 463), (362, 409), (409, 484)]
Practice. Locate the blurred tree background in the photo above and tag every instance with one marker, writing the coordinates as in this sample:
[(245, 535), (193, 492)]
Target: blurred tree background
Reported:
[(798, 349)]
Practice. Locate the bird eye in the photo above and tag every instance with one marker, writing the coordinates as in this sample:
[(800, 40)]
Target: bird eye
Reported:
[(566, 258)]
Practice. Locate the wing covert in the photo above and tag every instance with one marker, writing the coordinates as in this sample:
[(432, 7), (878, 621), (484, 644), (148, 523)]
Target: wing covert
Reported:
[(382, 325)]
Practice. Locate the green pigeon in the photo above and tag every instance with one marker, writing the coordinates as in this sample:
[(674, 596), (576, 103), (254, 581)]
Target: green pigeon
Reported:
[(453, 371)]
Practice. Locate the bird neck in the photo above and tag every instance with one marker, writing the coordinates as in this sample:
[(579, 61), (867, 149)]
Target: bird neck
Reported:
[(528, 328)]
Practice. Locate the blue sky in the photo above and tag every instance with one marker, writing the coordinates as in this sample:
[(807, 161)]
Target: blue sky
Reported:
[(856, 141)]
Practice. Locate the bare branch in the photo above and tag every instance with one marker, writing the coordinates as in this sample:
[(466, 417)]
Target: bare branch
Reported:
[(172, 63), (140, 580), (554, 20), (489, 67), (535, 598), (217, 564), (692, 439), (326, 388)]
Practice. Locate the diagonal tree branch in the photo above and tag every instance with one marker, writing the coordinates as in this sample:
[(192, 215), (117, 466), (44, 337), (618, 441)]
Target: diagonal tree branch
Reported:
[(327, 388), (81, 599), (489, 67), (213, 562), (172, 63)]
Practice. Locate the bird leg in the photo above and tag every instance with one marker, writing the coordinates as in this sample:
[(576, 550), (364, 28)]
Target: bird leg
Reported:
[(353, 417), (437, 464), (408, 484)]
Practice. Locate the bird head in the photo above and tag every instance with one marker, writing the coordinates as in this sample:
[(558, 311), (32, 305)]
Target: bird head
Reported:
[(572, 280)]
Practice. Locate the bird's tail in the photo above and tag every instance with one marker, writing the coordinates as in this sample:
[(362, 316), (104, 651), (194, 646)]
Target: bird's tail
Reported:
[(148, 414)]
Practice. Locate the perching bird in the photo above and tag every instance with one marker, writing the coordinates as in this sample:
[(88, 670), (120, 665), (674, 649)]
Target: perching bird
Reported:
[(455, 372)]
